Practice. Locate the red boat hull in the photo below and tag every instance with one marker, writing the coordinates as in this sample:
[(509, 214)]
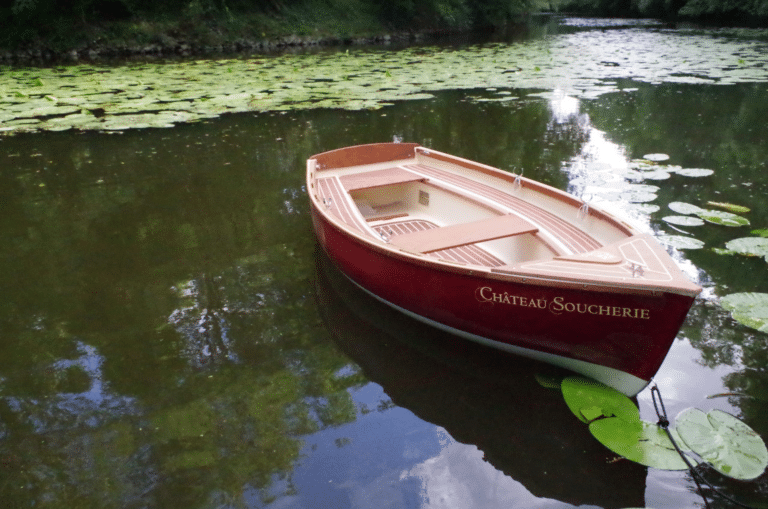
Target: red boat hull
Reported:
[(608, 335)]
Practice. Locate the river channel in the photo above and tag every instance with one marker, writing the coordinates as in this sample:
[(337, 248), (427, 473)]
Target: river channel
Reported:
[(171, 336)]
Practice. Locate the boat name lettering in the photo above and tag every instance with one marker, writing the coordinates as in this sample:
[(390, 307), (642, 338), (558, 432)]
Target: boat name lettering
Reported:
[(486, 294), (559, 305)]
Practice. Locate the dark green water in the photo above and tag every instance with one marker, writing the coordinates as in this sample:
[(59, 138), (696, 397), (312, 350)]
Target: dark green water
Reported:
[(171, 337)]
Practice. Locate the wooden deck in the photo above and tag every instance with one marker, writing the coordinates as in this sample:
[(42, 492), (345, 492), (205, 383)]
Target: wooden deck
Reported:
[(457, 235), (470, 254), (455, 242), (379, 178), (573, 238), (337, 202)]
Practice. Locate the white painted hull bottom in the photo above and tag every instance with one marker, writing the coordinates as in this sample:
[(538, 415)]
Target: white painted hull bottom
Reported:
[(626, 383)]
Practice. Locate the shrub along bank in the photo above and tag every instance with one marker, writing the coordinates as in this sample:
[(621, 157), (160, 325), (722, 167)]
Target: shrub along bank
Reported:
[(725, 12), (50, 28)]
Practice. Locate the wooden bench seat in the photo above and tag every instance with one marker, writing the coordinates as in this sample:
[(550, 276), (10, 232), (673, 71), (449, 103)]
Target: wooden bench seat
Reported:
[(576, 240), (469, 254), (436, 239), (379, 178)]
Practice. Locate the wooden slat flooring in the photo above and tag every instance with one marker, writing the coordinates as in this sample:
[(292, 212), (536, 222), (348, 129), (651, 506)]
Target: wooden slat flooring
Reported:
[(470, 254), (463, 234)]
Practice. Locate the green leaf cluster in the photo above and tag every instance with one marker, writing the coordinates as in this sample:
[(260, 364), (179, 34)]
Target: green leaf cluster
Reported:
[(46, 19), (728, 444), (740, 12)]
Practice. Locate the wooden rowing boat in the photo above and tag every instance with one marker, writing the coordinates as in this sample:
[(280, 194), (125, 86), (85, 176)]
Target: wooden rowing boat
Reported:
[(499, 259)]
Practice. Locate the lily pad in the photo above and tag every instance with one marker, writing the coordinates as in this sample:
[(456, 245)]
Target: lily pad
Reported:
[(732, 447), (589, 400), (683, 220), (639, 441), (656, 157), (730, 207), (749, 246), (656, 175), (748, 308), (549, 381), (680, 241), (694, 172), (763, 232), (723, 218), (684, 208)]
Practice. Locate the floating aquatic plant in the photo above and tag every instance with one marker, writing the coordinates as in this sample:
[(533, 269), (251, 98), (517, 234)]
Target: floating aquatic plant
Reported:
[(37, 100), (683, 220), (730, 207), (748, 308), (712, 216), (731, 446), (684, 208), (590, 400), (639, 441), (723, 218), (694, 172), (656, 157), (680, 241), (748, 246)]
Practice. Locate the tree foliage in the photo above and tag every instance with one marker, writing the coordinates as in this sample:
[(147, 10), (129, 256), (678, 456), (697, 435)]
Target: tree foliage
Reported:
[(396, 12), (62, 25), (739, 12)]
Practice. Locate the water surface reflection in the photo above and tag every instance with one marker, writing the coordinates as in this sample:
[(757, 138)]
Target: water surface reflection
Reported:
[(161, 344)]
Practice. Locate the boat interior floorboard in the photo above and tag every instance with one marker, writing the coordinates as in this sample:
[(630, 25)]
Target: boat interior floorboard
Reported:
[(470, 254)]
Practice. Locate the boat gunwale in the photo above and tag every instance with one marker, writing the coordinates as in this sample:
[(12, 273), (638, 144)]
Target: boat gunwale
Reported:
[(630, 286), (534, 185)]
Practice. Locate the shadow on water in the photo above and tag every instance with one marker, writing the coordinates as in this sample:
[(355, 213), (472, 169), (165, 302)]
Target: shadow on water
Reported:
[(481, 397)]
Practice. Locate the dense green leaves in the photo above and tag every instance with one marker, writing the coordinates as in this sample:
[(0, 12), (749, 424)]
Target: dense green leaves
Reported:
[(722, 11)]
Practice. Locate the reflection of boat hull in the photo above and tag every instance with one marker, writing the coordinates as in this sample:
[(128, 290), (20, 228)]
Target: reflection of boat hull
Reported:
[(605, 302), (480, 397)]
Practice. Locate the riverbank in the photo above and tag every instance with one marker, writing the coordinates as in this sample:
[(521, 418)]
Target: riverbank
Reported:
[(180, 45), (112, 29)]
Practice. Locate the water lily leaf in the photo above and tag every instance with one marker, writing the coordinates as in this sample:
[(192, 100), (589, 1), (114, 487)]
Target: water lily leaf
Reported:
[(639, 441), (656, 175), (694, 172), (750, 246), (680, 241), (748, 308), (723, 218), (683, 220), (644, 208), (732, 447), (656, 157), (763, 232), (730, 207), (549, 381), (638, 196), (589, 400), (684, 208)]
